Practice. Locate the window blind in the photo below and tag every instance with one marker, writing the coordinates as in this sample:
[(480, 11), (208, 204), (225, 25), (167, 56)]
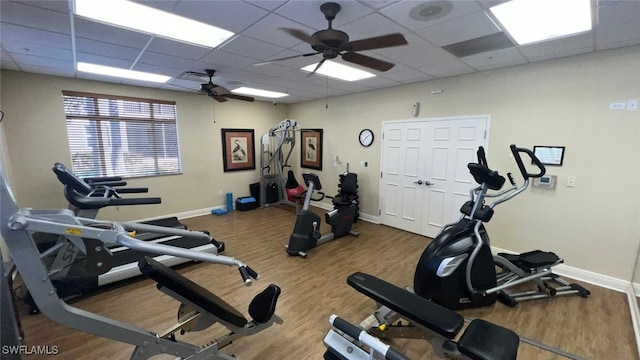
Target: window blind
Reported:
[(121, 136)]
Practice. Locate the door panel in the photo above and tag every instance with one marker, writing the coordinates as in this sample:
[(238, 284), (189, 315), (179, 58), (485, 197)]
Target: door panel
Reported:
[(434, 152)]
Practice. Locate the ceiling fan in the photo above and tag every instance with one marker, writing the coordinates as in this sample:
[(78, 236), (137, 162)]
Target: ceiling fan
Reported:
[(331, 43), (219, 93)]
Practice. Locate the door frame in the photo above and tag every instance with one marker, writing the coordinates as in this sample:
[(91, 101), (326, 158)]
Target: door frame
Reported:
[(419, 120)]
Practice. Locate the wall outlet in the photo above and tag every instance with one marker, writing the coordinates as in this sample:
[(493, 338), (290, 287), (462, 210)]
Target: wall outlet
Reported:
[(571, 181), (632, 105)]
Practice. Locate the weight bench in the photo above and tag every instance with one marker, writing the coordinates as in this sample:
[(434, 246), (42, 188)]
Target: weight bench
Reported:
[(440, 326), (201, 309)]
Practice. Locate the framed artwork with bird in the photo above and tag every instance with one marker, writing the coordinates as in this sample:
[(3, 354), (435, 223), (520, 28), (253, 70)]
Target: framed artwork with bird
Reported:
[(311, 148), (238, 150)]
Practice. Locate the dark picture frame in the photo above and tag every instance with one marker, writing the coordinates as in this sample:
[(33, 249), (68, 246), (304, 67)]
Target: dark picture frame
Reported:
[(549, 155), (238, 149), (311, 148)]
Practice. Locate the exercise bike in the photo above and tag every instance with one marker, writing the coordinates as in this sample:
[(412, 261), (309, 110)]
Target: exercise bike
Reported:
[(457, 270), (306, 231)]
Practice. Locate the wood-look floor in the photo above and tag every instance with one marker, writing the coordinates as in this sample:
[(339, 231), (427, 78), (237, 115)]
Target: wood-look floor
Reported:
[(598, 327)]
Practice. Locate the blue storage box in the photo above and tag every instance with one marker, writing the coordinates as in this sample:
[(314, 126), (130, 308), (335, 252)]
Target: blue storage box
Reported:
[(246, 203)]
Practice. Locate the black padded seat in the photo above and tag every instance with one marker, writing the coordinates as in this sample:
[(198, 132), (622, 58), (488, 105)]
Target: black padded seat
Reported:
[(414, 308), (195, 293), (486, 341)]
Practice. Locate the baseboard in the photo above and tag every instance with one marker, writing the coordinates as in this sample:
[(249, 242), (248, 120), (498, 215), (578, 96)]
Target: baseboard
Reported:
[(635, 313), (186, 214)]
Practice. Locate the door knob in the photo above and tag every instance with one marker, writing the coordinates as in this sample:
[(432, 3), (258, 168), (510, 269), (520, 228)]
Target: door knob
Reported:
[(428, 183), (419, 182)]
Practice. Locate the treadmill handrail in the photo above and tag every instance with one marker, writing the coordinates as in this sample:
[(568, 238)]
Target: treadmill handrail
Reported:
[(117, 233)]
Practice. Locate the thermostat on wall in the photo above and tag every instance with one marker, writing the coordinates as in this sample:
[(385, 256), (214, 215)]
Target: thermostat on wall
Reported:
[(545, 182)]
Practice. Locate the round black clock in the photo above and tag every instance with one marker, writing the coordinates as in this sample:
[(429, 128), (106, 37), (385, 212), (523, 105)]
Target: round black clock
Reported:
[(366, 137)]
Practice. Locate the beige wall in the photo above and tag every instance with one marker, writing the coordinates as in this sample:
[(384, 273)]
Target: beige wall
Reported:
[(36, 138), (562, 102), (559, 102)]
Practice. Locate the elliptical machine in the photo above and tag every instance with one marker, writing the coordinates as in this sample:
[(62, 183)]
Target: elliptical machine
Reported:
[(306, 231), (457, 270)]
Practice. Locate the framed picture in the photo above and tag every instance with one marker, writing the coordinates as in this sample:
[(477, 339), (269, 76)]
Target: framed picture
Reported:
[(311, 148), (238, 150), (549, 155)]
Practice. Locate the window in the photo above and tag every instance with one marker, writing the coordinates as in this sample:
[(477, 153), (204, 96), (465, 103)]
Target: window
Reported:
[(121, 136)]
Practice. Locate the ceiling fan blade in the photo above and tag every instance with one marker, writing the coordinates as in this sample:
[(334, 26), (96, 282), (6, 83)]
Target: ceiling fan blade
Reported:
[(299, 34), (317, 67), (218, 98), (285, 58), (219, 90), (367, 61), (239, 97), (377, 42)]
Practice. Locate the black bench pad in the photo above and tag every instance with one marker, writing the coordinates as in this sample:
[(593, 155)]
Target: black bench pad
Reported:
[(191, 291), (483, 340), (411, 306)]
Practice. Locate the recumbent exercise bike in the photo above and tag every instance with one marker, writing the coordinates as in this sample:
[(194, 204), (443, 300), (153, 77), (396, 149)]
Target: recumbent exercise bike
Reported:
[(306, 231), (457, 270)]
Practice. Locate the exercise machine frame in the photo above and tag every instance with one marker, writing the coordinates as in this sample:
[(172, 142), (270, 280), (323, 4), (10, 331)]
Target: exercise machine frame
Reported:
[(306, 231), (458, 270), (94, 237)]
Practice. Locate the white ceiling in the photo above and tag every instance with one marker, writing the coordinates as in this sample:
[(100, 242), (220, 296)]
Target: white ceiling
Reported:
[(45, 37)]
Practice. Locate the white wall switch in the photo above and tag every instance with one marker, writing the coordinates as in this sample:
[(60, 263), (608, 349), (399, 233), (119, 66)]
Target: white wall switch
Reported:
[(617, 105), (632, 105), (571, 181)]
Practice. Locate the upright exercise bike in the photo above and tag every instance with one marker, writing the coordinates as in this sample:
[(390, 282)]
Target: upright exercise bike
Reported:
[(457, 270), (306, 231)]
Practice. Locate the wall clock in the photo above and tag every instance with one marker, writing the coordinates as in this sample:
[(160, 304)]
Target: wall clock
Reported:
[(366, 137)]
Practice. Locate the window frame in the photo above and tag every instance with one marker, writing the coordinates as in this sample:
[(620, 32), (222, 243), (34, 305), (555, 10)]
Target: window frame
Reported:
[(101, 159)]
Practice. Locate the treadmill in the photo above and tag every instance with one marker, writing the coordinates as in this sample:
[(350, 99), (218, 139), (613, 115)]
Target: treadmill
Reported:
[(72, 275)]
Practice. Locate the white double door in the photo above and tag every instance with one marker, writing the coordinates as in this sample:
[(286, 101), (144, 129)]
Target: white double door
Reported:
[(424, 174)]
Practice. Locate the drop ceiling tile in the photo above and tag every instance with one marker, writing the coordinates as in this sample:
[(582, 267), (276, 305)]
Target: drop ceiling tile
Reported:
[(370, 26), (152, 58), (429, 56), (33, 49), (267, 30), (466, 27), (18, 33), (248, 47), (61, 6), (273, 69), (618, 35), (408, 75), (223, 58), (309, 14), (111, 34), (416, 45), (35, 17), (171, 47), (266, 4), (105, 49), (48, 70), (40, 61), (449, 68), (377, 4), (399, 12), (618, 12), (155, 69), (233, 16), (379, 82), (495, 59)]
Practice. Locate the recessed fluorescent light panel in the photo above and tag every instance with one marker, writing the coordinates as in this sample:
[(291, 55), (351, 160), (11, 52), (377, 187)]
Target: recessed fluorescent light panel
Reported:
[(122, 73), (257, 92), (339, 71), (138, 17), (529, 21)]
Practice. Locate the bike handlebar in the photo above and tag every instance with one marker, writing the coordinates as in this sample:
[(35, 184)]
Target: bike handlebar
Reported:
[(523, 170)]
